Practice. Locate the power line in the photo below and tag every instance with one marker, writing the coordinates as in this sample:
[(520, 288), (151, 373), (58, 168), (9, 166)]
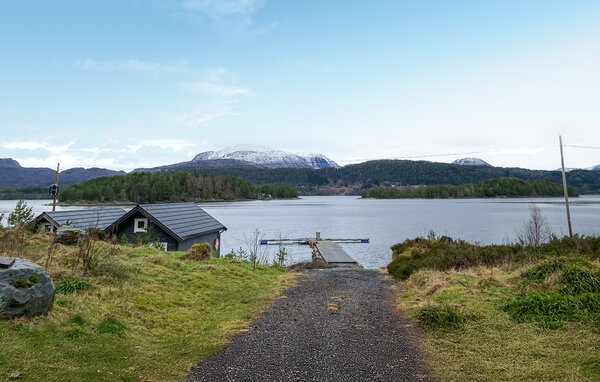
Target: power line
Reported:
[(583, 147), (425, 156)]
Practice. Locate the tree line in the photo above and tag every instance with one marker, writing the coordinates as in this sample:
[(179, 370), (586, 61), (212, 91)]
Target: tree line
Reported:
[(146, 187), (492, 188), (404, 172)]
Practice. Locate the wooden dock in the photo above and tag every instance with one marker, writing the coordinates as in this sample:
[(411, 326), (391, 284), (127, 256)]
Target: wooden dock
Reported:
[(325, 250), (333, 253)]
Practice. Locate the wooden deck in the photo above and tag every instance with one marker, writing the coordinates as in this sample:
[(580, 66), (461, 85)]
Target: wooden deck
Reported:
[(333, 253)]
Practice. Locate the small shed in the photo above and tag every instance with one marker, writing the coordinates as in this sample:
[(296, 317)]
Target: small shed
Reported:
[(99, 218), (177, 226)]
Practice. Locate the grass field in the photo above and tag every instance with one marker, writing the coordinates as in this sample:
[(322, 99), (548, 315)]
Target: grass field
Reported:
[(146, 315), (513, 322)]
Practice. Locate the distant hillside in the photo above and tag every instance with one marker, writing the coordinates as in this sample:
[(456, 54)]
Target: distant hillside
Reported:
[(147, 187), (492, 188), (353, 179), (13, 175)]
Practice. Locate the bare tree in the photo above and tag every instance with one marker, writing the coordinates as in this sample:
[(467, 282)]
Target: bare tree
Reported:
[(536, 230), (256, 252)]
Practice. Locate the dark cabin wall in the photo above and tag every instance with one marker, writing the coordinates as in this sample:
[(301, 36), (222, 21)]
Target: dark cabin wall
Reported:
[(208, 238), (126, 228), (44, 221)]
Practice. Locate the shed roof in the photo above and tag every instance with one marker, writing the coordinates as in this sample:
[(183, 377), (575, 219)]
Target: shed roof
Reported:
[(183, 220), (99, 218)]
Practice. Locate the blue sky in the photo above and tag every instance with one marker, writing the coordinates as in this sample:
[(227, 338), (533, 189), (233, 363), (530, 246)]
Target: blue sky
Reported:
[(136, 83)]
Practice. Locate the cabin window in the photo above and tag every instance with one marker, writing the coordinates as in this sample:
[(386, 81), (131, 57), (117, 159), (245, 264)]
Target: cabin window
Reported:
[(140, 225), (48, 227)]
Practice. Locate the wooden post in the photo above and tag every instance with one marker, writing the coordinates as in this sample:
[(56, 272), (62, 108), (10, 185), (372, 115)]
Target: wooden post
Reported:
[(55, 182), (566, 191)]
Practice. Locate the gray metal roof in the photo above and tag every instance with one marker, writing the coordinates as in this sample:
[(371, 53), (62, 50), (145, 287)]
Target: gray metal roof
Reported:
[(185, 220), (99, 218)]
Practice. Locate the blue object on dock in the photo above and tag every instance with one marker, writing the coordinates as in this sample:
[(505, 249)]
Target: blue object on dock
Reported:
[(364, 241), (264, 242)]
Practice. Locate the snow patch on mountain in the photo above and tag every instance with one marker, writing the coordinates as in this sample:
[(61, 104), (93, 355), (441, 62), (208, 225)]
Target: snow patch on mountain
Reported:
[(268, 157), (471, 162)]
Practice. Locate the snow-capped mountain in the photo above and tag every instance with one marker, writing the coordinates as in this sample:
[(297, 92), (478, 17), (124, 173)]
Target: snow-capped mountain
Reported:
[(267, 157), (595, 168), (471, 162)]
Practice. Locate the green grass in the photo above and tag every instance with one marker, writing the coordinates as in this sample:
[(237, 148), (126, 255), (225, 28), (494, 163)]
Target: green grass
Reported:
[(69, 286), (479, 341), (163, 318)]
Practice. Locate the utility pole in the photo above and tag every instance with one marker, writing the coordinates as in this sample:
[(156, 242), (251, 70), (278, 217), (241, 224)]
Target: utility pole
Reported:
[(55, 193), (564, 179)]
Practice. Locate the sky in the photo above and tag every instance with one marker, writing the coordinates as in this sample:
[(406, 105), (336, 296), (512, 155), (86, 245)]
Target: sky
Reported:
[(139, 83)]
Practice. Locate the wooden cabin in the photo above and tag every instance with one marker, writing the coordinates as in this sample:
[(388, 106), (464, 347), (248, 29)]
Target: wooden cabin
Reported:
[(177, 226)]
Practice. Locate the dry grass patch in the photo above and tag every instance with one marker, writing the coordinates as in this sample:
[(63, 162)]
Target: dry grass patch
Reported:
[(478, 341)]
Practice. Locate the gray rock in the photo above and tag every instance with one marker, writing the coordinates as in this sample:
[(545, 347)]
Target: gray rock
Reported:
[(35, 299), (68, 235)]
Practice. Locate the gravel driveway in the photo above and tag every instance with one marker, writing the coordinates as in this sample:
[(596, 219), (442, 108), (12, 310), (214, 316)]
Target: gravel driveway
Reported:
[(335, 325)]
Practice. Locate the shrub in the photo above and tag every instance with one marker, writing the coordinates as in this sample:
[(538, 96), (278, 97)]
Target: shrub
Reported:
[(415, 254), (111, 325), (69, 286), (442, 317), (553, 308), (199, 252)]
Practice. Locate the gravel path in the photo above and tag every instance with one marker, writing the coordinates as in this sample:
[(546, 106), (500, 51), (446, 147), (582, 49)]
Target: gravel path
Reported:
[(335, 325)]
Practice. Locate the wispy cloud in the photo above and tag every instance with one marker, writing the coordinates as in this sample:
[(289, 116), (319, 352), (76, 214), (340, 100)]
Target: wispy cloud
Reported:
[(219, 9), (217, 83), (199, 119), (36, 145), (216, 89), (173, 144), (180, 67)]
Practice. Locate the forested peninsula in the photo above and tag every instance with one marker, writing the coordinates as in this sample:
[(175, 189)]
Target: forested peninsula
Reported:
[(146, 187), (492, 188)]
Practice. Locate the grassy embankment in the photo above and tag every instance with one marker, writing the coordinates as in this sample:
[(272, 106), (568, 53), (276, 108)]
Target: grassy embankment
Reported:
[(506, 312), (146, 315)]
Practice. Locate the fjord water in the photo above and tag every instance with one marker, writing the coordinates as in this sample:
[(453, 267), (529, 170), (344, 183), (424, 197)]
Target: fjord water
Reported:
[(384, 222)]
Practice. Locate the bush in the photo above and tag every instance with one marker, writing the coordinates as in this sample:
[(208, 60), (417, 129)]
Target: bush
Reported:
[(199, 252), (111, 325), (415, 254), (553, 308), (442, 317), (69, 286)]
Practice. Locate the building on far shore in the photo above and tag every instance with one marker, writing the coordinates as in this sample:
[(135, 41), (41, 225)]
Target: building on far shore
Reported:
[(99, 218), (176, 226)]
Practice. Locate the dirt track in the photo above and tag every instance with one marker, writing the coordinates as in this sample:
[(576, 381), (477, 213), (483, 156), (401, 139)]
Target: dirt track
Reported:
[(335, 325)]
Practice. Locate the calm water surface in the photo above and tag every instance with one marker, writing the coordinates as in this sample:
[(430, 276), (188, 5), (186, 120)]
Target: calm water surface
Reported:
[(384, 222)]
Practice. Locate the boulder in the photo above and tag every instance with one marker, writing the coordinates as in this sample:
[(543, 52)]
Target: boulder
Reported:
[(25, 290), (68, 235)]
